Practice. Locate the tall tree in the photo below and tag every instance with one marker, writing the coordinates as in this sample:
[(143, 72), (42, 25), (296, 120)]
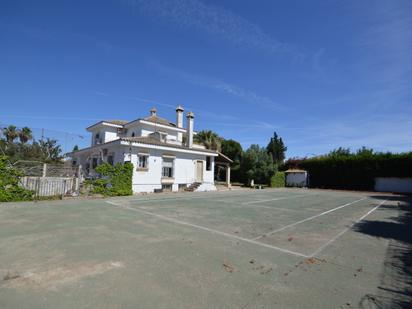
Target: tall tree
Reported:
[(25, 134), (258, 165), (209, 139), (232, 149), (277, 149), (10, 133)]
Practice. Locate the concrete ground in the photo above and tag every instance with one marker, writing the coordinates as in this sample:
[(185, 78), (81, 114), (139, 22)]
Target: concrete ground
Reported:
[(272, 248)]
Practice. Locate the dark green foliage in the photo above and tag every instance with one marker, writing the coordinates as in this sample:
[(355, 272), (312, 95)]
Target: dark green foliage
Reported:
[(234, 151), (355, 171), (10, 189), (258, 165), (209, 139), (115, 180), (41, 150), (278, 180), (277, 149)]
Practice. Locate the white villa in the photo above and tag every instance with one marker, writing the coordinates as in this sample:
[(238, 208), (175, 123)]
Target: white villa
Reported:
[(162, 152)]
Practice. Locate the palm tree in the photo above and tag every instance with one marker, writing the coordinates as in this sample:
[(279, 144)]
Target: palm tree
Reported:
[(10, 133), (209, 139), (25, 134)]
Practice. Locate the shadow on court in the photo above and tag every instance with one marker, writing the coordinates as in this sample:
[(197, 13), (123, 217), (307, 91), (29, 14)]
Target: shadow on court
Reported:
[(395, 290)]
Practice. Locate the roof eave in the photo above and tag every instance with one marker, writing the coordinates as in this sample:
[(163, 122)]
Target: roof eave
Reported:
[(103, 123)]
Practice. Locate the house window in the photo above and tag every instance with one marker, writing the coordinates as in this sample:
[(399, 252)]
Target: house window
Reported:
[(110, 159), (208, 164), (143, 161), (133, 134), (167, 187), (167, 167)]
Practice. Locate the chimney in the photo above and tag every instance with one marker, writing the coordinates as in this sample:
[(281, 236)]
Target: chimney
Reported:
[(179, 121), (189, 131), (153, 111)]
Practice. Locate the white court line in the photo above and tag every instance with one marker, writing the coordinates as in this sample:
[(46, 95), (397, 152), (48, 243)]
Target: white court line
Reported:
[(235, 205), (347, 229), (274, 199), (307, 219), (251, 241), (178, 198)]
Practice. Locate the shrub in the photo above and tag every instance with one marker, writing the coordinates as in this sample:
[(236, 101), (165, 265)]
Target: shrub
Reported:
[(278, 180), (10, 188), (356, 171), (115, 180)]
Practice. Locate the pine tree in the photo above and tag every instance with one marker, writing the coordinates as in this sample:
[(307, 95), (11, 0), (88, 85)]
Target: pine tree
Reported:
[(277, 149)]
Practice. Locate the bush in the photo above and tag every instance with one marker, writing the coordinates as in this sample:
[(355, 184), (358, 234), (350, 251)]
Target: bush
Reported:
[(356, 171), (10, 188), (115, 180), (278, 180)]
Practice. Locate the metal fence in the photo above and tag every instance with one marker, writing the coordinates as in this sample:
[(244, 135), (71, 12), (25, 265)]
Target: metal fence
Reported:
[(50, 179)]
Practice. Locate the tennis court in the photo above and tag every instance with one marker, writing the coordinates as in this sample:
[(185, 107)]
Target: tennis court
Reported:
[(272, 248)]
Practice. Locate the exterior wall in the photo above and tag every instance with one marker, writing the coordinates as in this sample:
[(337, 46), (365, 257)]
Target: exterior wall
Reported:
[(106, 134), (184, 170), (84, 158), (145, 129), (184, 166), (296, 179), (109, 134), (393, 184)]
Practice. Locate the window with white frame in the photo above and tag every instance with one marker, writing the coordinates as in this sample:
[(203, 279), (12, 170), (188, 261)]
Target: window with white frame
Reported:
[(167, 167), (143, 161)]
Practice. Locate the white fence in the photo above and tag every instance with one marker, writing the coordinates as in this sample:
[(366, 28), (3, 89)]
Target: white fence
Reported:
[(50, 179), (51, 186), (393, 184)]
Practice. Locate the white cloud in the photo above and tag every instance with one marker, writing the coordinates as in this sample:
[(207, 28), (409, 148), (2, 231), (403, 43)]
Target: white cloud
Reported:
[(213, 20), (245, 95)]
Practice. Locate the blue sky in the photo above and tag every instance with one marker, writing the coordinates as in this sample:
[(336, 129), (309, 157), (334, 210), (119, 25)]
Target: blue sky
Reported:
[(323, 74)]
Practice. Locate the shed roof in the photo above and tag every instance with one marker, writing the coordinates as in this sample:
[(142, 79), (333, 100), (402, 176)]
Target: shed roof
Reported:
[(295, 170)]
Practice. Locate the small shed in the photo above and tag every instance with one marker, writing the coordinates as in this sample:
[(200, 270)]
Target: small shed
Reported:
[(296, 178)]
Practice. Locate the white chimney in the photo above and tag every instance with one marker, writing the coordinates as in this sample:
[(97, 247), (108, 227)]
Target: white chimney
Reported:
[(179, 121), (189, 131), (153, 111)]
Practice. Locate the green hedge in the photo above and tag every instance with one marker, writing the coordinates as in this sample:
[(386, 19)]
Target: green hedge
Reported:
[(10, 188), (115, 180), (356, 172), (278, 180)]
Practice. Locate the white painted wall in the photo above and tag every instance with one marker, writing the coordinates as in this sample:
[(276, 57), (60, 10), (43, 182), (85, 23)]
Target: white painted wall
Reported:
[(393, 184), (109, 134), (296, 179), (142, 129), (184, 170), (106, 134), (146, 181)]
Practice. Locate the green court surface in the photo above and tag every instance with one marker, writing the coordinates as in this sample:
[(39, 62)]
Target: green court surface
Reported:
[(280, 248)]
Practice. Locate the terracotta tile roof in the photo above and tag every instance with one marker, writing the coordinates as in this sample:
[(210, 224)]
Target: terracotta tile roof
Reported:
[(152, 141), (118, 122), (159, 120)]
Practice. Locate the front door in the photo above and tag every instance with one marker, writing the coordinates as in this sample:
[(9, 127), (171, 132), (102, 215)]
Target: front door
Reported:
[(199, 171)]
